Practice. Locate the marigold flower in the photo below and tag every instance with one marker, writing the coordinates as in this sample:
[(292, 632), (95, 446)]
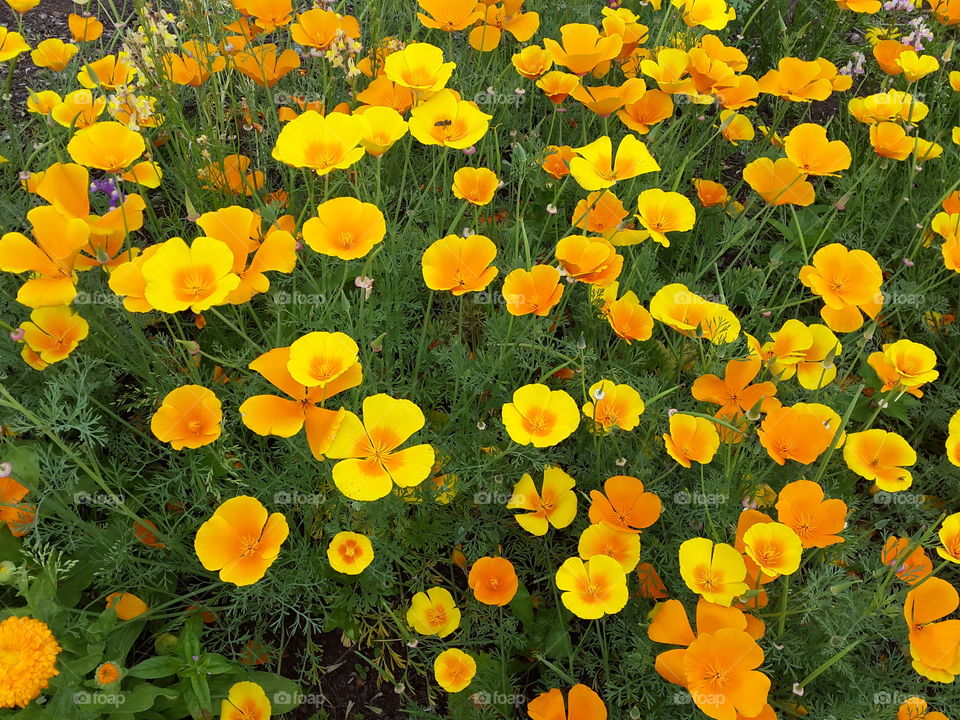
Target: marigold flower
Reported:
[(198, 276), (11, 44), (345, 228), (127, 606), (449, 15), (350, 553), (448, 121), (420, 67), (493, 580), (459, 264), (688, 313), (370, 463), (582, 48), (720, 669), (84, 28), (691, 439), (454, 670), (533, 291), (879, 455), (662, 212), (789, 433), (555, 504), (582, 704), (934, 646), (28, 660), (273, 415), (532, 62), (240, 540), (817, 522), (540, 416), (108, 146), (323, 144), (591, 260), (107, 674), (593, 588), (624, 505), (53, 54), (433, 613), (475, 185), (715, 572), (595, 167), (189, 417), (246, 701), (263, 65)]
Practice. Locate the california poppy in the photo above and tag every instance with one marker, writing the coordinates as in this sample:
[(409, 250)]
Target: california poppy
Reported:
[(715, 571), (350, 553), (189, 417), (624, 505), (493, 580), (420, 67), (555, 504), (51, 335), (880, 456), (459, 264), (614, 406), (591, 260), (582, 704), (934, 646), (691, 439), (475, 185), (240, 540), (661, 212), (127, 606), (448, 121), (345, 228), (789, 433), (801, 506), (540, 416), (454, 670), (434, 613), (688, 313), (582, 48), (197, 276), (593, 588), (602, 539), (596, 168), (245, 701)]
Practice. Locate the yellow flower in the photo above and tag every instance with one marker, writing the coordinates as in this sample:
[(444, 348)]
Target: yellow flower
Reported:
[(109, 146), (420, 67), (11, 44), (245, 701), (350, 553), (446, 120), (593, 588), (540, 416), (454, 670), (774, 547), (434, 613), (716, 572), (28, 659), (196, 277), (555, 504), (323, 144), (53, 54)]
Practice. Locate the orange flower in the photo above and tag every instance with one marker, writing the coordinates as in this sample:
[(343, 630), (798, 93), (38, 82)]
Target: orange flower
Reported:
[(318, 28), (879, 455), (886, 52), (915, 708), (791, 434), (662, 212), (934, 646), (593, 588), (195, 66), (84, 28), (911, 566), (605, 100), (245, 701), (240, 540), (555, 504), (582, 704), (779, 182), (589, 259), (711, 193), (345, 228), (126, 605), (802, 81), (654, 107), (599, 212), (189, 417), (454, 670), (624, 505), (475, 185), (816, 521), (385, 126), (807, 146), (497, 19), (420, 67), (533, 291), (79, 109), (582, 48), (434, 612), (614, 406), (53, 54), (714, 571), (736, 394), (107, 674), (629, 319), (239, 228), (18, 516), (350, 553), (449, 15), (108, 146), (950, 539), (146, 533), (493, 580), (448, 121), (459, 264), (848, 281), (197, 277), (51, 335), (556, 160), (110, 72), (651, 584), (691, 439), (557, 85), (720, 669), (263, 65), (231, 175), (602, 540), (273, 415), (891, 141), (532, 62)]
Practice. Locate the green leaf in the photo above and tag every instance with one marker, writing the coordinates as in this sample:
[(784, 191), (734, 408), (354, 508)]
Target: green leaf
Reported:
[(156, 667)]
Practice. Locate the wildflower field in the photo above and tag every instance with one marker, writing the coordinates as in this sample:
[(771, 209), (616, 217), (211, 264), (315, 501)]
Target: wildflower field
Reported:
[(481, 360)]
